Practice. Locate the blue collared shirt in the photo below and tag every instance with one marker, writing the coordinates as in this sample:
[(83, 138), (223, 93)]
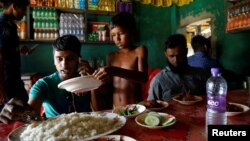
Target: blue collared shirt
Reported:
[(201, 60)]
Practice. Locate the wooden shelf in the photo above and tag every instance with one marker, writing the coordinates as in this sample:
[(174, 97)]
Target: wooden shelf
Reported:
[(233, 1), (51, 41), (86, 21), (73, 10), (239, 29), (99, 42), (100, 12)]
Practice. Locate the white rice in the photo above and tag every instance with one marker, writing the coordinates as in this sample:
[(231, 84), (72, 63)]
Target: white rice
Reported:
[(68, 127)]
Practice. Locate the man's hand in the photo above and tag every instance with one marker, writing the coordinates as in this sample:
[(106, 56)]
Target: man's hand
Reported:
[(103, 74), (12, 111), (81, 93), (84, 68)]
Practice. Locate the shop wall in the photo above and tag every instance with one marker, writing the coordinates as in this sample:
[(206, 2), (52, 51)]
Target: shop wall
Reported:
[(155, 25), (41, 60)]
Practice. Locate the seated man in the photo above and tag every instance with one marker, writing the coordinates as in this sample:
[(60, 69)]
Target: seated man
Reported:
[(201, 57), (45, 91), (178, 76)]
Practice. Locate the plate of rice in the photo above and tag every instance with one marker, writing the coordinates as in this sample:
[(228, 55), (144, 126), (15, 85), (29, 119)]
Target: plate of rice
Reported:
[(115, 138), (70, 127)]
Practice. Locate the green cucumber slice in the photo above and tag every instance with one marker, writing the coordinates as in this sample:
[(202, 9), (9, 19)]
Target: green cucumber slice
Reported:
[(168, 121), (152, 120)]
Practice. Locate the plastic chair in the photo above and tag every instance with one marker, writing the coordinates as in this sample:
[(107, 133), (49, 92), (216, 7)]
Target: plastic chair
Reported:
[(151, 75)]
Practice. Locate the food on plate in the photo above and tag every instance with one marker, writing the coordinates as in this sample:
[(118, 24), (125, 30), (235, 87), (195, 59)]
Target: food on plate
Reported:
[(234, 108), (128, 111), (185, 97), (73, 126), (153, 104), (155, 119), (114, 138), (152, 120), (105, 139)]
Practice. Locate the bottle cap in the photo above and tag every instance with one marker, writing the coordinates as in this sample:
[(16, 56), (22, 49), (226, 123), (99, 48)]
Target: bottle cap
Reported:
[(215, 71)]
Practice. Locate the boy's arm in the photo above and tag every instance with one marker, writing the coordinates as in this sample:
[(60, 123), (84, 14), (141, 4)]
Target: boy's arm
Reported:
[(139, 75), (102, 98), (2, 89)]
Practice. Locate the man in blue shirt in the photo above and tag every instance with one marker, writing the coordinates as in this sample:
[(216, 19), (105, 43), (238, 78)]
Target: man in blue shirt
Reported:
[(178, 76), (45, 91), (201, 58)]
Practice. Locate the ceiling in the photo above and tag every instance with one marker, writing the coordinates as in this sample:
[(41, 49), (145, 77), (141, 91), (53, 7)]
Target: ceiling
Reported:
[(199, 27)]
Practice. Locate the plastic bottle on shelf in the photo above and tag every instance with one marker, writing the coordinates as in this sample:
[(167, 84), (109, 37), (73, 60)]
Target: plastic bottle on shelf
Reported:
[(23, 28), (216, 88)]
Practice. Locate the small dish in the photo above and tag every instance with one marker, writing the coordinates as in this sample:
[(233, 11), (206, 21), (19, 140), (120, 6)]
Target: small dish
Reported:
[(191, 102), (133, 109), (115, 138), (233, 113), (80, 84), (155, 105), (140, 120)]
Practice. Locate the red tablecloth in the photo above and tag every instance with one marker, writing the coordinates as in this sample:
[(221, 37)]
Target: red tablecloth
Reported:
[(190, 125), (5, 129)]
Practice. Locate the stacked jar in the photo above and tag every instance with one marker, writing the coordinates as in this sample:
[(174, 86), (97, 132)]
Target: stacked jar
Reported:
[(45, 23), (106, 5), (79, 4), (238, 16), (72, 24), (76, 4), (124, 6), (22, 30)]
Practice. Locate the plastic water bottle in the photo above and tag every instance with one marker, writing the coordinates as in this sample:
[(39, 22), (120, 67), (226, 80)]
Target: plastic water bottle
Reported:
[(216, 88)]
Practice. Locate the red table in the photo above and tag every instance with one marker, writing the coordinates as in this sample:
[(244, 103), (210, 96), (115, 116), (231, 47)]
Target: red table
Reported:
[(190, 125)]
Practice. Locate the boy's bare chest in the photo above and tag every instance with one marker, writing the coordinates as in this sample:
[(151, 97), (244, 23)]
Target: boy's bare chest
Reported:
[(127, 61)]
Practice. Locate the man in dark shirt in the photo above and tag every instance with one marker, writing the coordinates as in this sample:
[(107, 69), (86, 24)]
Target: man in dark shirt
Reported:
[(11, 84)]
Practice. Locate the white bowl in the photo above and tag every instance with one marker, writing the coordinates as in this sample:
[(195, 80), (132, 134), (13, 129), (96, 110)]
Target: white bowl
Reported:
[(164, 104), (80, 84), (115, 138), (244, 107), (140, 121), (197, 99), (120, 109)]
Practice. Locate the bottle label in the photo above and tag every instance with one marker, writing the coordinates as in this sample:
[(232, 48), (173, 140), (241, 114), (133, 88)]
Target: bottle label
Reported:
[(216, 103)]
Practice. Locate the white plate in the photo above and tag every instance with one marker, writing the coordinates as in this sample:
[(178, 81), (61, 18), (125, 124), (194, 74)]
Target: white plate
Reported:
[(140, 121), (115, 138), (197, 99), (15, 134), (121, 109), (245, 109), (163, 104), (80, 84)]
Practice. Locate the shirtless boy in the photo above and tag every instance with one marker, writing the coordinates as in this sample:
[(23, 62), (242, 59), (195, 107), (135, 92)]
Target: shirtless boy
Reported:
[(127, 67)]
